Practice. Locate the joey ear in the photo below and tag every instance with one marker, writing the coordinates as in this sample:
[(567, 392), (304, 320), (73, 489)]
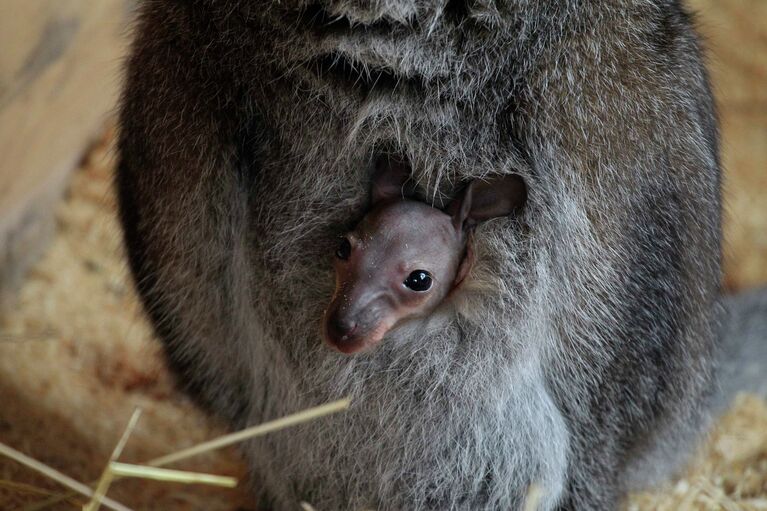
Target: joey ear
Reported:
[(483, 200), (460, 208), (389, 178)]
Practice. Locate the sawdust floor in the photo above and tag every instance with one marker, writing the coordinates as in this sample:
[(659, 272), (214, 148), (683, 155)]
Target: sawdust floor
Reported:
[(77, 356)]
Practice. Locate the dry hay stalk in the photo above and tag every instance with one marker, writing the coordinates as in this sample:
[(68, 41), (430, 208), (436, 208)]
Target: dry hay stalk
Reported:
[(107, 475), (172, 476), (252, 432), (218, 443), (57, 476)]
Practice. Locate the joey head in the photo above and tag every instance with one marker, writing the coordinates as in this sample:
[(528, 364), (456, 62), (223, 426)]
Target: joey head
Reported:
[(404, 258)]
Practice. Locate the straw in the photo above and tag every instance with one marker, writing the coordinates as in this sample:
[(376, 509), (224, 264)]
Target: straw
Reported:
[(57, 476), (254, 431), (168, 475), (107, 475), (533, 498), (226, 440)]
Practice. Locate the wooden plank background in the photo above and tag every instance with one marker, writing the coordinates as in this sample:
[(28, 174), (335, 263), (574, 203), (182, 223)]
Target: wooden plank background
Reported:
[(736, 37), (59, 77)]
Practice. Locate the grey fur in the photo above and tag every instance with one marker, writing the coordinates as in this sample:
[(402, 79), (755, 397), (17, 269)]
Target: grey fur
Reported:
[(585, 336)]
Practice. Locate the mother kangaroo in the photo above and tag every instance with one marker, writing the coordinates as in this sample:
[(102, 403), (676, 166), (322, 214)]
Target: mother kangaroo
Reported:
[(581, 348)]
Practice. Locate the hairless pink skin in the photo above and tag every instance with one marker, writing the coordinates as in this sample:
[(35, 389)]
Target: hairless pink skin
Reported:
[(404, 258), (391, 242)]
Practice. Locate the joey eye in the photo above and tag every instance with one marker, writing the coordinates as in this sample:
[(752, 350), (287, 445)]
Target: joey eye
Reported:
[(419, 280), (344, 249)]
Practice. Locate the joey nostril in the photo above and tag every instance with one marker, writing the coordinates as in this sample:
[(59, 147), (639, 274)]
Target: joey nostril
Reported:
[(342, 328), (346, 328)]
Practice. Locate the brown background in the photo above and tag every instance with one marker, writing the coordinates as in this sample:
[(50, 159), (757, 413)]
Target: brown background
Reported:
[(735, 33)]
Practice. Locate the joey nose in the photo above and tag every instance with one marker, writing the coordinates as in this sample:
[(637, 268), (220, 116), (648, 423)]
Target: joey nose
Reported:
[(340, 328)]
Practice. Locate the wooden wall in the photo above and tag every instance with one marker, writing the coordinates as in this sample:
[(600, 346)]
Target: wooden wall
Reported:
[(735, 33), (59, 77)]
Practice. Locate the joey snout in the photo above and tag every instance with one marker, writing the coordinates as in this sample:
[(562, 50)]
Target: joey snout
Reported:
[(353, 323)]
